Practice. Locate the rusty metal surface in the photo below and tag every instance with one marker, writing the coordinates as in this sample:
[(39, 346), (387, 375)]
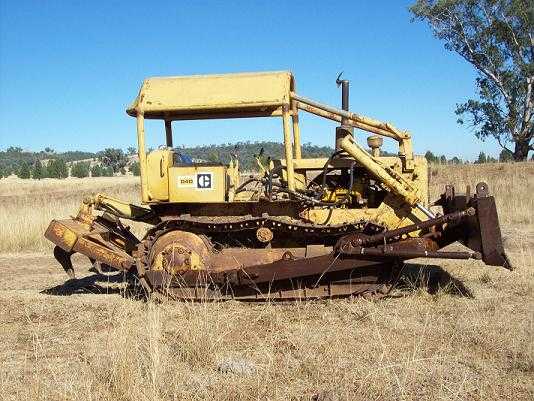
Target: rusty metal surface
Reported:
[(279, 225), (94, 241), (397, 233), (62, 235), (101, 251), (264, 234), (244, 273), (481, 231), (339, 280), (491, 245), (407, 249)]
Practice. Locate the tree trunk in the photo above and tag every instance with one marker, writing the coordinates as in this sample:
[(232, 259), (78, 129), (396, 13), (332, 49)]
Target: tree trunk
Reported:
[(521, 150)]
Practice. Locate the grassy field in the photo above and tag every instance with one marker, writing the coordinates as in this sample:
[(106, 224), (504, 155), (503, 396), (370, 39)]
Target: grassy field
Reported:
[(455, 330)]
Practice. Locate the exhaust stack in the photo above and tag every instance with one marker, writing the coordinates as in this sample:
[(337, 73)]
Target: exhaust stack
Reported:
[(344, 129)]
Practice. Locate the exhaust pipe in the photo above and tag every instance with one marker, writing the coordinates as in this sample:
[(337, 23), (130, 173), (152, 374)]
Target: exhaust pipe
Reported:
[(344, 129)]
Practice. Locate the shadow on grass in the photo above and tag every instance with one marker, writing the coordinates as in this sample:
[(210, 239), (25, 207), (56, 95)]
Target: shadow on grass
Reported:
[(415, 277), (119, 283), (432, 279)]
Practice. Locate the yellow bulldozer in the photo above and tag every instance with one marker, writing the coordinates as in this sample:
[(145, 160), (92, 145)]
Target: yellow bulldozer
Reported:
[(300, 228)]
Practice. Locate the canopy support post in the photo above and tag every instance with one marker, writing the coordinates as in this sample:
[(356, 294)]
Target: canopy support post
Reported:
[(142, 155), (168, 133), (296, 130), (288, 147)]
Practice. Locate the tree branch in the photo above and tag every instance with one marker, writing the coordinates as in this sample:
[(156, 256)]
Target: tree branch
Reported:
[(527, 112), (498, 138), (484, 70)]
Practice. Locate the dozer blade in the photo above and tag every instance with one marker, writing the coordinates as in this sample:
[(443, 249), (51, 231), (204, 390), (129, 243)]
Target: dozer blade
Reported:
[(480, 232)]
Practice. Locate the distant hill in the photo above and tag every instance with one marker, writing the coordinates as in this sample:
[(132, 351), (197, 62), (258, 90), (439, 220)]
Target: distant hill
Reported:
[(12, 159), (247, 150)]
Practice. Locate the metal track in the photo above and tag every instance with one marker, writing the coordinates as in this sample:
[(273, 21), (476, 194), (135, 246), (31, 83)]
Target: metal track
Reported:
[(207, 225), (341, 283)]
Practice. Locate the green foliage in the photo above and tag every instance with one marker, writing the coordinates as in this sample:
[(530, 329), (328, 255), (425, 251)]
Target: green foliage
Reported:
[(80, 170), (247, 150), (506, 156), (12, 158), (96, 171), (495, 36), (481, 158), (37, 170), (214, 157), (107, 172), (135, 169), (71, 156), (430, 157), (113, 158), (4, 171), (57, 168), (101, 171), (131, 151), (24, 171)]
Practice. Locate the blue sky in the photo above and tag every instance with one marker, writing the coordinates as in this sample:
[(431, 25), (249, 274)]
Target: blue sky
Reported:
[(68, 69)]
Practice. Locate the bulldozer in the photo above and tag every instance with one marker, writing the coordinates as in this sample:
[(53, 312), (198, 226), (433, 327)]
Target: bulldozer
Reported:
[(299, 228)]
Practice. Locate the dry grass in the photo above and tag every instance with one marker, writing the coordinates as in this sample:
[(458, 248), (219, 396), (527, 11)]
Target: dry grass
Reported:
[(511, 183), (27, 206), (95, 342)]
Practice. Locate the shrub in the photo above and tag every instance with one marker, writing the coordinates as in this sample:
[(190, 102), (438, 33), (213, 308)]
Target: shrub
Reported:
[(57, 168), (37, 171), (96, 171), (506, 156), (114, 158), (80, 170), (24, 171), (135, 169), (107, 172)]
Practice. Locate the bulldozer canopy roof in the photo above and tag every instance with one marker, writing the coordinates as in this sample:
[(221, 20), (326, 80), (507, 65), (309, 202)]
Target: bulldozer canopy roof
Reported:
[(213, 96)]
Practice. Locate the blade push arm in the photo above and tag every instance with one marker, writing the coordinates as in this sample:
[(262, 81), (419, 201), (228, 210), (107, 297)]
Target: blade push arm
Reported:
[(119, 208)]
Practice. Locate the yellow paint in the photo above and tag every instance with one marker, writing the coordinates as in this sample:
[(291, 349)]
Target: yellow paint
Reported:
[(270, 94), (336, 216), (198, 96), (232, 172), (69, 237), (142, 156), (158, 162), (394, 182), (197, 183)]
